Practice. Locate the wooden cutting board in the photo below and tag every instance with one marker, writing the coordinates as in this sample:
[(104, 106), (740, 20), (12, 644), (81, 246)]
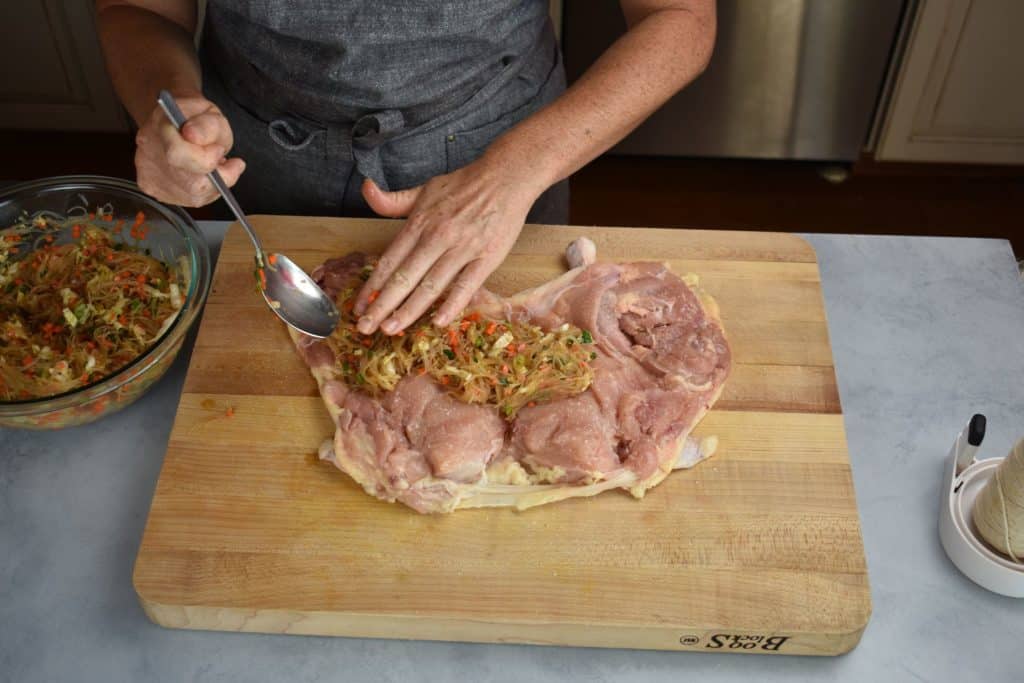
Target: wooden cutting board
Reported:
[(757, 550)]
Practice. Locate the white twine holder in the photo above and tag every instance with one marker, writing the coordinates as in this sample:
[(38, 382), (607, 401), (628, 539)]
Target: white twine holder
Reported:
[(979, 554)]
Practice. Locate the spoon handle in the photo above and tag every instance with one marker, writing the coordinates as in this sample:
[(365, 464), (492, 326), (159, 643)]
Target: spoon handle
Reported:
[(174, 113)]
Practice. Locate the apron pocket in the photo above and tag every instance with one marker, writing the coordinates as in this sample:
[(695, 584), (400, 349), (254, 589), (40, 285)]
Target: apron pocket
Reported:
[(463, 147)]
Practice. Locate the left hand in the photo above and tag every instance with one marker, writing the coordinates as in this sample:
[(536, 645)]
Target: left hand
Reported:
[(459, 229)]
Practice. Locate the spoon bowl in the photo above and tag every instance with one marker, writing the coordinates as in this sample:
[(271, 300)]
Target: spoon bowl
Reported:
[(296, 299)]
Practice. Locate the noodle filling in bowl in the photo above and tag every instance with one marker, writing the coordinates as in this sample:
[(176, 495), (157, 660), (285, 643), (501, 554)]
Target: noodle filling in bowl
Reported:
[(76, 312), (94, 299)]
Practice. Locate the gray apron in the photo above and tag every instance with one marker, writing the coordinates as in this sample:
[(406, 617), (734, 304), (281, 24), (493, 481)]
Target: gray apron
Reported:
[(322, 95)]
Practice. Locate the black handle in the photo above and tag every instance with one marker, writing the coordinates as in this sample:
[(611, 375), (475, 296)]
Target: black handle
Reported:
[(976, 430)]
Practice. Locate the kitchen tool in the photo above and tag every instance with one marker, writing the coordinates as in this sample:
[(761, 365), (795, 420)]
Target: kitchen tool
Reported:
[(965, 478), (288, 290), (170, 234), (756, 550)]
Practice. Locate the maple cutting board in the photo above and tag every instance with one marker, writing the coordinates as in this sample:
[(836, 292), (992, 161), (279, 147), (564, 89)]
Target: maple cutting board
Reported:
[(757, 550)]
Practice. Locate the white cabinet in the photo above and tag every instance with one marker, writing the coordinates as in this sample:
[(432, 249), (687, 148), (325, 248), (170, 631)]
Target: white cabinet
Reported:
[(52, 74), (959, 93)]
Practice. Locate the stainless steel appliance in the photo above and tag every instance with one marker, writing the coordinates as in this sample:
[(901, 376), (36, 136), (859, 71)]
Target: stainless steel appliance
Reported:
[(789, 79)]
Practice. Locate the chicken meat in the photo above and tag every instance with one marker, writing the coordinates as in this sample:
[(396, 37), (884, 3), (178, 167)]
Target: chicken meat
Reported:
[(660, 360)]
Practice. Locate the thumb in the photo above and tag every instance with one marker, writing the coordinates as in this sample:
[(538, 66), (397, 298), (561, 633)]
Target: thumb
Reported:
[(391, 204)]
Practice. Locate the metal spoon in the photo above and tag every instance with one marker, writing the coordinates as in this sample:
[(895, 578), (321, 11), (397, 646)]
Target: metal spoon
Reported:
[(289, 291)]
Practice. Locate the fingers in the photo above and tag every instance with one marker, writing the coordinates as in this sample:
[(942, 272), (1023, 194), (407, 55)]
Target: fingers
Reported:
[(397, 251), (186, 156), (231, 170), (184, 190), (208, 128), (162, 184), (401, 283), (469, 281), (467, 217), (429, 289), (390, 204)]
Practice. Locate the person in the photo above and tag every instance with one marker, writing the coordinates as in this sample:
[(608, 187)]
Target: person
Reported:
[(452, 114)]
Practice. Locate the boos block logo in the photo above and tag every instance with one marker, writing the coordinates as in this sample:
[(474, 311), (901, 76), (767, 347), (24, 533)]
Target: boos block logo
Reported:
[(733, 641)]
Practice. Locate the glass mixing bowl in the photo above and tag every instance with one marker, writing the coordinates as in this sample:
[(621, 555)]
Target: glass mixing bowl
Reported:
[(172, 235)]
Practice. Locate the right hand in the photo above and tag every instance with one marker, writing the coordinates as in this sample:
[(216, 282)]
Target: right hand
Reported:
[(172, 166)]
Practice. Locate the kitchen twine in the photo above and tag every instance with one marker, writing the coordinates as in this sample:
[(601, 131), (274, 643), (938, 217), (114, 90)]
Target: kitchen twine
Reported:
[(999, 508)]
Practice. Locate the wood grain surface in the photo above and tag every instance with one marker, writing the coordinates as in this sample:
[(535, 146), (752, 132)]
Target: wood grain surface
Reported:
[(757, 550)]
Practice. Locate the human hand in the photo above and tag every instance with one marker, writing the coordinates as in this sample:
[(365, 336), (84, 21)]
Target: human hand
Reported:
[(172, 166), (459, 229)]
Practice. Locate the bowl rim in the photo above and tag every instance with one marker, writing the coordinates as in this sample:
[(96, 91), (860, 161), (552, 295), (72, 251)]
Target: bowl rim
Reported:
[(194, 300)]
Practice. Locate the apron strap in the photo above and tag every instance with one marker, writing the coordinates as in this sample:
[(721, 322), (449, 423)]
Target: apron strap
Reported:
[(369, 133), (289, 136)]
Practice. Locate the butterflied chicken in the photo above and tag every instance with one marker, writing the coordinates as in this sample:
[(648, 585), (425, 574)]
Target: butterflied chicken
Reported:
[(590, 382)]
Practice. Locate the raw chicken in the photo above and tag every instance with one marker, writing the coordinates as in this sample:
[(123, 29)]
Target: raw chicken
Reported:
[(661, 359)]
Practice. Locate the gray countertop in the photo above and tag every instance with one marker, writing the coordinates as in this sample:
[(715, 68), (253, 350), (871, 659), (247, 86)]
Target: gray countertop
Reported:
[(925, 332)]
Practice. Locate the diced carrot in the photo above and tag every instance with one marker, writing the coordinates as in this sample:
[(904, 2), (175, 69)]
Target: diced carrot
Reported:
[(473, 317), (272, 259), (367, 342), (27, 361), (464, 325), (263, 278), (444, 379), (140, 218), (141, 279), (373, 296), (400, 333), (230, 412), (504, 369), (490, 328), (76, 231), (422, 370)]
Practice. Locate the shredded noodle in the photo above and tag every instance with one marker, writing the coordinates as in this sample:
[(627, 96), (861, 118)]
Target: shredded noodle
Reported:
[(479, 360)]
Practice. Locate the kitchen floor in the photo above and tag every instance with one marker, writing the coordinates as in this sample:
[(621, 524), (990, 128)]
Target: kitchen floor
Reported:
[(688, 193)]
